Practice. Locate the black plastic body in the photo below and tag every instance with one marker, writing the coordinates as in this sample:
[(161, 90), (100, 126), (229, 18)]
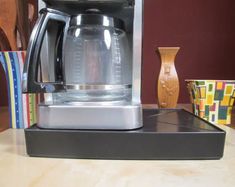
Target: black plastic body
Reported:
[(167, 134)]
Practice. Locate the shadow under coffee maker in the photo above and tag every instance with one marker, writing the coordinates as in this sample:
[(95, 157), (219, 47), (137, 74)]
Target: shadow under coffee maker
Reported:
[(85, 57)]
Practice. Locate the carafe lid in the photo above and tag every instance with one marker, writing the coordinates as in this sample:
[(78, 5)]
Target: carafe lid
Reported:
[(96, 19)]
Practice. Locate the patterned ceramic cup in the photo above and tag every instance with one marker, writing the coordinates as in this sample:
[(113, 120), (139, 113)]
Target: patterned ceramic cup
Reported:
[(22, 107), (212, 99)]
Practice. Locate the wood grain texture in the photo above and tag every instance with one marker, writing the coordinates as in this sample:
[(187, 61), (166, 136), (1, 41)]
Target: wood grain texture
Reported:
[(8, 18), (16, 20), (4, 43), (168, 82), (23, 22)]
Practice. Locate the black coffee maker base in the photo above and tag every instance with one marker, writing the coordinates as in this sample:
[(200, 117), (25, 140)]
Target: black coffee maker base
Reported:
[(166, 134)]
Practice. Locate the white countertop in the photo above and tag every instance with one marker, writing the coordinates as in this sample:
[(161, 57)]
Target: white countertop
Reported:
[(19, 170)]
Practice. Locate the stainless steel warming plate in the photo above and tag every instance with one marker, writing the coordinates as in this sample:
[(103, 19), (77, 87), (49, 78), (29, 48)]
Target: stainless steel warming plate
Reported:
[(90, 116), (166, 134)]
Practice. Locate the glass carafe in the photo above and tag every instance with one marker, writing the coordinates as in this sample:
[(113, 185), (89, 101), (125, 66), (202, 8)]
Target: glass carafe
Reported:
[(97, 64), (92, 59)]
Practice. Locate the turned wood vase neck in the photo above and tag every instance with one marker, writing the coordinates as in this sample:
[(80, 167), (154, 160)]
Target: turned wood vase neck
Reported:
[(168, 54)]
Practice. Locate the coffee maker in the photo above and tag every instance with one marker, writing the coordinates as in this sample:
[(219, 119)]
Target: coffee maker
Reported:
[(84, 57)]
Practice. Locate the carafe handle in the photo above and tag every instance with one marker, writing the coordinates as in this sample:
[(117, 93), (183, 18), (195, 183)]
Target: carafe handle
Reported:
[(31, 66)]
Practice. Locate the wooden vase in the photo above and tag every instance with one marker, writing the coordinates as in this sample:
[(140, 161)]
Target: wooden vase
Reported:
[(168, 82)]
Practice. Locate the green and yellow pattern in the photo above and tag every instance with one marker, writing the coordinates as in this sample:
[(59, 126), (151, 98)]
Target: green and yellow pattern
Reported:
[(212, 99)]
